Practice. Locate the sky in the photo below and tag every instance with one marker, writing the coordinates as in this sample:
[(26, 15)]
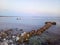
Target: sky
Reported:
[(32, 7)]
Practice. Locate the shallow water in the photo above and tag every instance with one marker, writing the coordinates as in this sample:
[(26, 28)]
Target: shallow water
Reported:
[(28, 23)]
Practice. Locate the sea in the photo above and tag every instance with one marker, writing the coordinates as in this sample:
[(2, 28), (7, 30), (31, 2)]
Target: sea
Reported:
[(28, 23)]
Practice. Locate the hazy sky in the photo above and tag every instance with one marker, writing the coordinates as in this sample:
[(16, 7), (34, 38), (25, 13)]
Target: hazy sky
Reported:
[(30, 6)]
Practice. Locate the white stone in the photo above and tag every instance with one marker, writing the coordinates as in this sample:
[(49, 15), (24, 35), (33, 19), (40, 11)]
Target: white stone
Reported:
[(13, 36), (4, 39), (17, 38), (22, 34)]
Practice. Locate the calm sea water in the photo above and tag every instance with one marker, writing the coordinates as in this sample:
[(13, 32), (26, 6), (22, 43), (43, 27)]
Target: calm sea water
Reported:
[(28, 23), (32, 20)]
